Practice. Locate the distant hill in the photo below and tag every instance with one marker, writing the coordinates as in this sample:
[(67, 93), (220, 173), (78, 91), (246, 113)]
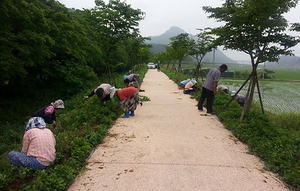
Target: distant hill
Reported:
[(158, 43), (165, 37), (286, 62)]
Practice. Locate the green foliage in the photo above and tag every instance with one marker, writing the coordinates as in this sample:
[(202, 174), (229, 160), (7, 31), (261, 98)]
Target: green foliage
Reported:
[(256, 28), (290, 121), (81, 126), (179, 47)]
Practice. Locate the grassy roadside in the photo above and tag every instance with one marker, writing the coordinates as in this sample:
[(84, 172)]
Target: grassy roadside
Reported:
[(81, 126), (273, 138)]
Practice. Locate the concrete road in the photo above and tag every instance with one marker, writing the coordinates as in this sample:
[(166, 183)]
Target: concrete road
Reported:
[(169, 146)]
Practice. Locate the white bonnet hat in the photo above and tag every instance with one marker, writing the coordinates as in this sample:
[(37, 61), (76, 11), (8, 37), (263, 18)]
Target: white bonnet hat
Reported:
[(112, 91)]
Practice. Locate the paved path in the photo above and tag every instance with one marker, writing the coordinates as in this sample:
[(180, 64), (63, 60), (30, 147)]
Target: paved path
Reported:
[(168, 146)]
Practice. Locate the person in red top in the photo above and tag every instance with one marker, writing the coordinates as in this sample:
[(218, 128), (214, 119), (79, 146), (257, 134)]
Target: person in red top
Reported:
[(128, 97)]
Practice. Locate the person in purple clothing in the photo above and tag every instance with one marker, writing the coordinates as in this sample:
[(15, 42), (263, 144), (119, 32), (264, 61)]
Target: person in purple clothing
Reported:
[(209, 88)]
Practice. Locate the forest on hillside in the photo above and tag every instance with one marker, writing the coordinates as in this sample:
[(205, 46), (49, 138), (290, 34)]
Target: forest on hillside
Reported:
[(49, 51)]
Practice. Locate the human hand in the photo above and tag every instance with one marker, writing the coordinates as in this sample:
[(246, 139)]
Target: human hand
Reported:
[(86, 97), (54, 124)]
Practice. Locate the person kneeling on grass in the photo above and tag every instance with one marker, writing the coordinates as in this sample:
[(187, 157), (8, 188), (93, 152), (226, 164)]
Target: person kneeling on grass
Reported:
[(190, 87), (128, 97), (38, 150)]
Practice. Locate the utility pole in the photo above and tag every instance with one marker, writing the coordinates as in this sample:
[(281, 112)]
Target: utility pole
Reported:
[(264, 71), (214, 55)]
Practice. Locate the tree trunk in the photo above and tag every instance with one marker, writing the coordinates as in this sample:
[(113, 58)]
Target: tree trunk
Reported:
[(197, 71), (109, 73), (132, 68), (179, 67), (250, 92)]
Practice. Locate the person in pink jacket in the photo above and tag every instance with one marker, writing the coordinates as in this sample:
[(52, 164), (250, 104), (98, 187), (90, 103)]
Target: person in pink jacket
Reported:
[(38, 150)]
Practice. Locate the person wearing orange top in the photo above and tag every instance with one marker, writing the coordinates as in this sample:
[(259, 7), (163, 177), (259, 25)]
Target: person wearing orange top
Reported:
[(128, 97)]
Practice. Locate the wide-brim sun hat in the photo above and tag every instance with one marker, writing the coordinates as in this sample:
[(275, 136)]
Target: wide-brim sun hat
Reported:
[(58, 104), (112, 91)]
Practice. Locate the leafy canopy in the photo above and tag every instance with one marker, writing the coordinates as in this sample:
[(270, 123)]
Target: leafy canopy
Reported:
[(254, 27)]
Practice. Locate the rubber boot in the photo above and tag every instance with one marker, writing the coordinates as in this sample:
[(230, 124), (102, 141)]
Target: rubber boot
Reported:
[(132, 113), (126, 115)]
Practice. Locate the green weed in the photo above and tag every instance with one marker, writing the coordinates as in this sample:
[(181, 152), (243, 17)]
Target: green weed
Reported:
[(81, 126)]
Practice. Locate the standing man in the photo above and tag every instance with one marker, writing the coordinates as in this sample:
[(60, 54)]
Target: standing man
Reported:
[(209, 88)]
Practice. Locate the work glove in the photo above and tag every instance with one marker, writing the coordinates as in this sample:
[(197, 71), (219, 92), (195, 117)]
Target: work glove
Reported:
[(121, 102)]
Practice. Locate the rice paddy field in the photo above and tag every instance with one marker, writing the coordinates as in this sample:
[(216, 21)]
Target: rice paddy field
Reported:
[(280, 73), (277, 96)]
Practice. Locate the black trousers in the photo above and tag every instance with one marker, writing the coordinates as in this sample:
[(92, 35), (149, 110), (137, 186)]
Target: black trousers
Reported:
[(210, 98)]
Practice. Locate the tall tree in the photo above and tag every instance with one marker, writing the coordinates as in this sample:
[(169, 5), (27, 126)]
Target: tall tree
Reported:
[(24, 38), (180, 45), (199, 47), (256, 28), (114, 22), (169, 56), (133, 47)]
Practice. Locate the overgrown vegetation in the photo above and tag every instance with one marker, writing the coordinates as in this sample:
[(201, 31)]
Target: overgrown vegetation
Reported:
[(80, 127), (273, 138)]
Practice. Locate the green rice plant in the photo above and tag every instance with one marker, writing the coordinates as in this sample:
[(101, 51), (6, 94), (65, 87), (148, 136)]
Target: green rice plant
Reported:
[(289, 121), (277, 96)]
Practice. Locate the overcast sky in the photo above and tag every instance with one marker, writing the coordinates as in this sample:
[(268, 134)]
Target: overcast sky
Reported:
[(186, 14)]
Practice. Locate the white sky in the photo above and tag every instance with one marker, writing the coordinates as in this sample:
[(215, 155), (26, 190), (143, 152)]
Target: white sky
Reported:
[(186, 14)]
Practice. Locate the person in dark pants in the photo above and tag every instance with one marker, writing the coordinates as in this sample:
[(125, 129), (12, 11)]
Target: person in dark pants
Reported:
[(209, 88)]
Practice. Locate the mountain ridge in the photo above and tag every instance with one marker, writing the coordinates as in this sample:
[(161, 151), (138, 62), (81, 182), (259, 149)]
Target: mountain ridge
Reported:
[(158, 43)]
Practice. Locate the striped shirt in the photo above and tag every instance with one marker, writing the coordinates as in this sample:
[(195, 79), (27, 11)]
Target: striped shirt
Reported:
[(213, 76), (40, 143)]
